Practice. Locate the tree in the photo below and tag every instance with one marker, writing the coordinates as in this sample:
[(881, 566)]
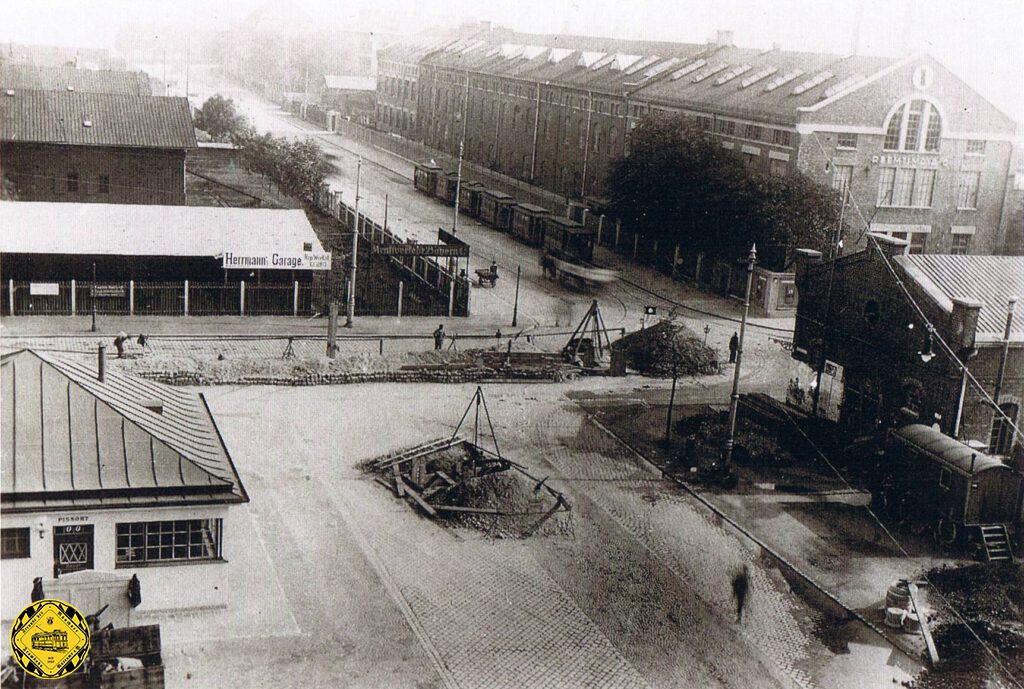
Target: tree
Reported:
[(298, 167), (218, 118), (677, 184)]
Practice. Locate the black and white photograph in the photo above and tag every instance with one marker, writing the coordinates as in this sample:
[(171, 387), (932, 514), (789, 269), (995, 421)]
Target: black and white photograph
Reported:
[(512, 344)]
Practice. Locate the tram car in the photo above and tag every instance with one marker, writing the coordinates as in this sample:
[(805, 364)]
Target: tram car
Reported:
[(447, 184), (57, 640), (496, 209), (947, 485), (425, 176), (568, 254), (528, 223), (469, 198)]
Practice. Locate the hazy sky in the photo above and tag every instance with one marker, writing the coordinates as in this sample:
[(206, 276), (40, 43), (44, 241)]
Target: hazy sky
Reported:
[(981, 40)]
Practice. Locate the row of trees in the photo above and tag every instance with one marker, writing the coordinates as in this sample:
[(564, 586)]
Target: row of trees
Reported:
[(678, 185), (297, 167)]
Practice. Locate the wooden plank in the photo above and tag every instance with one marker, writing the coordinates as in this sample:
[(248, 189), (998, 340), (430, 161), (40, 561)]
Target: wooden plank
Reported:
[(475, 510), (933, 652), (126, 642), (399, 488), (418, 452), (445, 477), (418, 499)]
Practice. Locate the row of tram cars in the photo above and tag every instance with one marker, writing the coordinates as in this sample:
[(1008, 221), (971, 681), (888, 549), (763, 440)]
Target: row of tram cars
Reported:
[(567, 246)]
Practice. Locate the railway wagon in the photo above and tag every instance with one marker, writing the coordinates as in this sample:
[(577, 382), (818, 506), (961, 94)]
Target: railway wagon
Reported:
[(528, 223), (469, 198), (425, 176), (447, 184), (569, 254), (496, 209), (947, 484)]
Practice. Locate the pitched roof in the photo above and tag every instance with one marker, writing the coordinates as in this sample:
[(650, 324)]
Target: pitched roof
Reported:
[(990, 280), (948, 451), (68, 78), (37, 227), (69, 440), (96, 119)]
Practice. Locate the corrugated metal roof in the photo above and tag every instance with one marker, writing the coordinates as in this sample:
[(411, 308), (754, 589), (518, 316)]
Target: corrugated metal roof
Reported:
[(96, 119), (947, 450), (31, 227), (68, 78), (70, 440), (990, 280)]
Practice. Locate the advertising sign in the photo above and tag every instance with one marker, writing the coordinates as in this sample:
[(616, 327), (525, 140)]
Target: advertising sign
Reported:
[(115, 291), (43, 289), (445, 250), (299, 260)]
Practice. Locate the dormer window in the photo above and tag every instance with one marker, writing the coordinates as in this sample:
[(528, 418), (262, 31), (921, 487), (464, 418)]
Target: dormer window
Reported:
[(914, 126)]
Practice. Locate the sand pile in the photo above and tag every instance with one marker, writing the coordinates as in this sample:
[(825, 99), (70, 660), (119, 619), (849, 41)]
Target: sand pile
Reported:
[(508, 491), (653, 351)]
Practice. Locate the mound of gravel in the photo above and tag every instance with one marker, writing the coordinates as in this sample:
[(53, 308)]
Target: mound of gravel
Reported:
[(653, 351)]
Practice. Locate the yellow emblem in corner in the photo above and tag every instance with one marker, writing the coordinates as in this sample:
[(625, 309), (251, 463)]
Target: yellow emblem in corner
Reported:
[(50, 639)]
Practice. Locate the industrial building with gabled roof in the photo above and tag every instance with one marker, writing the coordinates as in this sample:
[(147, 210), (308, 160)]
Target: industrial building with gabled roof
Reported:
[(95, 147), (20, 76), (107, 472), (924, 156)]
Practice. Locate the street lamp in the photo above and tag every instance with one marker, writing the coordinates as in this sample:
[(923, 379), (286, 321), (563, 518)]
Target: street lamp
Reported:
[(734, 398), (351, 310)]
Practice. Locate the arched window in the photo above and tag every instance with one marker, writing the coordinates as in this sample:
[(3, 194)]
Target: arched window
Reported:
[(1001, 439), (914, 126)]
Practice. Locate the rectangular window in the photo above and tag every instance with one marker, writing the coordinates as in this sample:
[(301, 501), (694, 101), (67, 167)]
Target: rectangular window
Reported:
[(944, 478), (726, 127), (975, 147), (918, 242), (753, 132), (841, 176), (903, 187), (184, 540), (15, 543), (961, 244), (924, 182), (103, 185), (847, 141), (967, 190), (780, 137), (778, 167), (752, 160), (885, 180), (72, 182)]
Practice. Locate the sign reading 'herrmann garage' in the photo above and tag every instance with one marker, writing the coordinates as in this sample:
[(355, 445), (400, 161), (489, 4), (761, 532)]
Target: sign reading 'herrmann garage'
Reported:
[(306, 260)]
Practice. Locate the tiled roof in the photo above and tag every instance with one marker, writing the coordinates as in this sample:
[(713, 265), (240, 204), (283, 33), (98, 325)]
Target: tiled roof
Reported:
[(71, 440), (96, 119), (990, 280), (67, 78), (39, 227)]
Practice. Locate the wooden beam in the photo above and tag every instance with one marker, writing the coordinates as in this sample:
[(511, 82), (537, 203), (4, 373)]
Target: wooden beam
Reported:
[(417, 498), (933, 652), (399, 486)]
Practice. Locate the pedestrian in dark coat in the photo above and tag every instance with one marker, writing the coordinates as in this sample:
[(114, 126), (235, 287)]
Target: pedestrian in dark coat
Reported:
[(439, 337), (734, 346), (740, 584), (119, 345)]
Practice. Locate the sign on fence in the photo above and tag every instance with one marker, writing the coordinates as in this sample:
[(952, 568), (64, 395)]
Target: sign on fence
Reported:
[(444, 250), (446, 237), (109, 291), (305, 260), (44, 289)]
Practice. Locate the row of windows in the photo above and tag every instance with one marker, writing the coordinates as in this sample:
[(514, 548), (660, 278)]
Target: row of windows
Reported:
[(141, 543), (73, 184), (960, 244), (848, 140), (754, 132), (912, 188), (398, 87)]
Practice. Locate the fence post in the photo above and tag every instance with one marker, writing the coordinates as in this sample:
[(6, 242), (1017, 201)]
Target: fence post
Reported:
[(381, 341), (295, 297), (10, 296), (451, 297), (131, 297), (618, 231), (401, 286), (74, 296), (241, 297), (675, 261), (186, 297)]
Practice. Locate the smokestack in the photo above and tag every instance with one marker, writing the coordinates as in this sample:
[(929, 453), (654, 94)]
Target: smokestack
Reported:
[(855, 40), (101, 362)]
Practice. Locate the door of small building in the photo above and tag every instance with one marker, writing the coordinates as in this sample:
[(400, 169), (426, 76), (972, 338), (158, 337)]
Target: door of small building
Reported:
[(72, 548)]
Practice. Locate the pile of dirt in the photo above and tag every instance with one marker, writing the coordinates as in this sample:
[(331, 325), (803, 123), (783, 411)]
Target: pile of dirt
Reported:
[(522, 500), (654, 351), (756, 444)]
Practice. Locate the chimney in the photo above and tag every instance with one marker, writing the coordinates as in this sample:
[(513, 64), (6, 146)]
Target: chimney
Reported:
[(101, 362), (724, 37), (964, 320), (890, 246)]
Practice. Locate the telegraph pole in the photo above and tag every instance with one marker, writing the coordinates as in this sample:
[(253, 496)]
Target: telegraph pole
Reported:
[(515, 305), (825, 338), (734, 398), (458, 190), (351, 313), (93, 299)]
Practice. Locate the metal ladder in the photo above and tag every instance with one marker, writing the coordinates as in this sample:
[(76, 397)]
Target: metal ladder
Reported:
[(997, 543)]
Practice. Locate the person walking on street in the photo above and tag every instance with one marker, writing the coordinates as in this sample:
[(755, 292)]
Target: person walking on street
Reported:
[(734, 346), (439, 337), (740, 584), (119, 342)]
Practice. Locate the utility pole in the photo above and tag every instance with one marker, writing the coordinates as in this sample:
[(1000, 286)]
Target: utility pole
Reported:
[(515, 305), (458, 190), (93, 299), (825, 328), (351, 313), (672, 396), (385, 211), (734, 398)]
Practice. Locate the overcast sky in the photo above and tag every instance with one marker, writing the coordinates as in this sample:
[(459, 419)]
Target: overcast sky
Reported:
[(981, 40)]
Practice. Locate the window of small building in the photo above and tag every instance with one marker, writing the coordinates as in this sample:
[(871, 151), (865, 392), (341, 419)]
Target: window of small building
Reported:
[(945, 478), (961, 244), (847, 140), (184, 540), (975, 147), (15, 543), (71, 182), (967, 190), (103, 184), (788, 293)]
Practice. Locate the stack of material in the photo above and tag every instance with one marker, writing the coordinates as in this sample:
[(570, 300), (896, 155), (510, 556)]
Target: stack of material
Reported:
[(655, 350)]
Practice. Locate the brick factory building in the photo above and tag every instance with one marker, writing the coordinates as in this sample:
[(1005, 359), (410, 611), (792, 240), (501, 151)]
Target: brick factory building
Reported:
[(872, 337), (925, 157), (398, 73), (95, 147)]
